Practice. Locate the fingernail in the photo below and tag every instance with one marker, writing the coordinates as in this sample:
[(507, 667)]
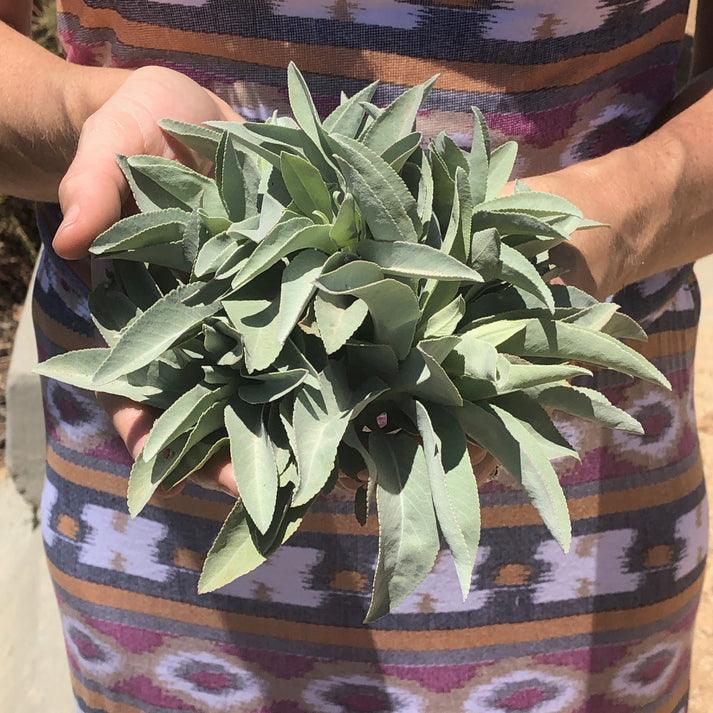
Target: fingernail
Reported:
[(69, 218)]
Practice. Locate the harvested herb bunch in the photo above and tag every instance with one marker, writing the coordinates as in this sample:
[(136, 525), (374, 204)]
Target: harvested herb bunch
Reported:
[(336, 300)]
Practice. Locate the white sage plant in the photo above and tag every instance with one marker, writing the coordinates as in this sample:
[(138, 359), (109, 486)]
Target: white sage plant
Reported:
[(340, 300)]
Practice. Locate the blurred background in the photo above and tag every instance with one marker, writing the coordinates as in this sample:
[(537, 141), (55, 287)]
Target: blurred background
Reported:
[(33, 675)]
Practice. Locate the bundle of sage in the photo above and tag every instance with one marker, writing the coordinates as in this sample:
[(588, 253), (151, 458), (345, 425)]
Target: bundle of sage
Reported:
[(339, 300)]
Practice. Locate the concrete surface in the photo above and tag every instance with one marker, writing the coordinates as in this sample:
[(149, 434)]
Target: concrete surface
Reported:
[(25, 437), (34, 677)]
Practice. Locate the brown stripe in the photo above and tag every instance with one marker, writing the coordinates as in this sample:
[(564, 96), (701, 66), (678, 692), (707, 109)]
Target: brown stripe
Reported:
[(619, 501), (365, 637), (57, 333), (99, 700), (675, 696), (370, 64), (667, 344)]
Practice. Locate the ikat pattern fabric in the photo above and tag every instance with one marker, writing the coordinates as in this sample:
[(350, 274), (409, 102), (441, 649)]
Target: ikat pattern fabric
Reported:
[(606, 629)]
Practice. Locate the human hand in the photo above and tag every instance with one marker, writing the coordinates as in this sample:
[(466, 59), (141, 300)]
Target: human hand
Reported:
[(94, 190)]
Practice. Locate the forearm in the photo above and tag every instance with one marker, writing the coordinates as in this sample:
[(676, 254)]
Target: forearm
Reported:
[(43, 104), (656, 195)]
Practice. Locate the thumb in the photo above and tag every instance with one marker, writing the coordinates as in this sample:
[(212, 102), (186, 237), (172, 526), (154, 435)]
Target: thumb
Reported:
[(93, 190)]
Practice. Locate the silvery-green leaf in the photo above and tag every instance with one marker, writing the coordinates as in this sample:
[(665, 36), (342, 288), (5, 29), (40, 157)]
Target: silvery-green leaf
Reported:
[(179, 417), (303, 108), (444, 322), (399, 152), (157, 329), (257, 322), (424, 205), (543, 338), (465, 207), (478, 158), (214, 253), (452, 155), (408, 534), (453, 487), (587, 404), (249, 141), (502, 162), (497, 332), (271, 386), (424, 378), (337, 319), (366, 360), (514, 223), (201, 139), (604, 317), (419, 261), (383, 199), (137, 283), (305, 185), (111, 311), (230, 179), (393, 308), (158, 183), (170, 255), (232, 555), (472, 357), (519, 271), (297, 288), (485, 252), (344, 230), (440, 347), (77, 368), (443, 190), (319, 425), (253, 460), (142, 230), (285, 238), (348, 117), (513, 445), (398, 119), (355, 273), (532, 202)]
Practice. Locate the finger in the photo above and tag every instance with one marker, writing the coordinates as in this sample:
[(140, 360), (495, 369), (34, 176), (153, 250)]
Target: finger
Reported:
[(93, 190), (217, 474), (132, 421)]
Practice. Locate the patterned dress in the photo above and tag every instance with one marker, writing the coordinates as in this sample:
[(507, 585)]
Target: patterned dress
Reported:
[(606, 629)]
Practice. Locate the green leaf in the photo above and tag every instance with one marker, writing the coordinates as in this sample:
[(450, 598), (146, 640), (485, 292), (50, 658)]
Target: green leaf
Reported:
[(348, 117), (510, 223), (544, 338), (305, 184), (271, 386), (398, 153), (478, 158), (366, 360), (253, 460), (344, 230), (472, 357), (179, 417), (257, 322), (111, 311), (423, 377), (137, 283), (297, 288), (232, 555), (587, 404), (319, 421), (419, 261), (337, 319), (393, 308), (485, 252), (376, 186), (200, 139), (532, 202), (453, 487), (408, 534), (285, 238), (444, 322), (398, 119), (157, 329), (519, 271), (502, 162), (230, 179), (513, 445), (303, 108), (142, 230)]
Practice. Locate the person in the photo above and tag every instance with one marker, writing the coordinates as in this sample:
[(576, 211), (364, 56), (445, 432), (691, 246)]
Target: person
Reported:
[(587, 89)]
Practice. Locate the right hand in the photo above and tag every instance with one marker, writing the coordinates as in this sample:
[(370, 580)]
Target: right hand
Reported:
[(93, 191)]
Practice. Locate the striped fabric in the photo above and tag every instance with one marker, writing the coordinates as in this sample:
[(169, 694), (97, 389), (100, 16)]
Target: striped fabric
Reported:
[(606, 629)]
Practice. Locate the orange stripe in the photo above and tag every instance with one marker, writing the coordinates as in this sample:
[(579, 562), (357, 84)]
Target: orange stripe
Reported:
[(365, 637), (98, 700), (58, 334), (369, 64), (590, 506), (666, 344)]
